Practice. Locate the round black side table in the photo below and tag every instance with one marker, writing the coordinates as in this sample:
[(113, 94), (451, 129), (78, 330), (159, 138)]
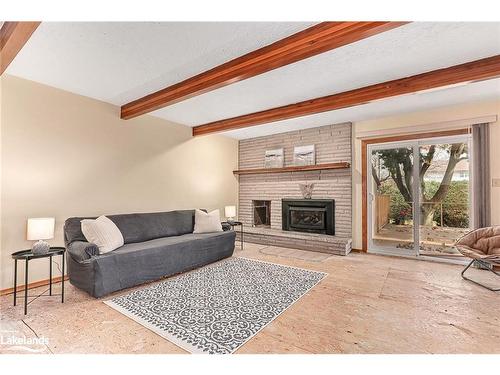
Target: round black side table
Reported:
[(234, 224), (28, 255)]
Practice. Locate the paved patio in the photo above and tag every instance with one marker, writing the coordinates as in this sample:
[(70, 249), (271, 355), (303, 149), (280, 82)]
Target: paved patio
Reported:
[(434, 240)]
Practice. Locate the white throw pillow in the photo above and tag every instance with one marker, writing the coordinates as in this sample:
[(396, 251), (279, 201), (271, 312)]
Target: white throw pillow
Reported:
[(207, 222), (102, 232)]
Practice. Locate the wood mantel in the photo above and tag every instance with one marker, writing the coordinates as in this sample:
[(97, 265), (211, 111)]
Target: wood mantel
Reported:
[(301, 168)]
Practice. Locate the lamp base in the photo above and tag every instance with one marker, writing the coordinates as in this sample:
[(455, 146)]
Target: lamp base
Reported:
[(40, 247)]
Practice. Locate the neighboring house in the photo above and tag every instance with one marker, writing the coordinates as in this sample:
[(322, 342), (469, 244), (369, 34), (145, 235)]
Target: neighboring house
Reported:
[(438, 167)]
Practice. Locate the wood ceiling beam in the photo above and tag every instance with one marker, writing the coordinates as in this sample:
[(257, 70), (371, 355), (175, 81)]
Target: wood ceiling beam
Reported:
[(478, 70), (13, 36), (309, 42)]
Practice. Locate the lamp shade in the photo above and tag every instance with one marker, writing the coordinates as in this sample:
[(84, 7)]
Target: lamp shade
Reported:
[(40, 228), (230, 211)]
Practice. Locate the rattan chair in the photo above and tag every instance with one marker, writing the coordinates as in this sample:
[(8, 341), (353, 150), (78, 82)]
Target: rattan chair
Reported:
[(483, 247)]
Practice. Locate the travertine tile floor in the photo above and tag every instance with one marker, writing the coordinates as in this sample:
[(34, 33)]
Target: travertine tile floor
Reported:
[(367, 304)]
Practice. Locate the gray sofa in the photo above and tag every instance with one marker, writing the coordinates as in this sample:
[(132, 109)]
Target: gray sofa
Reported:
[(156, 245)]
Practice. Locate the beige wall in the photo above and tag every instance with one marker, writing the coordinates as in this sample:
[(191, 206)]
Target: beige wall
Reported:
[(457, 112), (64, 155)]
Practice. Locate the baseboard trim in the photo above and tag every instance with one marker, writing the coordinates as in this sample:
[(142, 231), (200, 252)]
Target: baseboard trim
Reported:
[(358, 250), (36, 284)]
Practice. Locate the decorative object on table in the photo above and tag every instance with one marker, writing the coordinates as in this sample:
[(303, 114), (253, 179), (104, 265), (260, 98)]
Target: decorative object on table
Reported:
[(245, 296), (233, 224), (304, 155), (40, 229), (230, 212), (306, 189), (28, 255), (274, 158), (207, 222), (483, 247)]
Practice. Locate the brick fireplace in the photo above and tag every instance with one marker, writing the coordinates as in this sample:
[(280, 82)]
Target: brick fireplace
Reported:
[(332, 144)]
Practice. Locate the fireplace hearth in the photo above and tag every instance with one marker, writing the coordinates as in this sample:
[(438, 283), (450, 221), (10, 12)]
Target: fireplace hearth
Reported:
[(309, 215)]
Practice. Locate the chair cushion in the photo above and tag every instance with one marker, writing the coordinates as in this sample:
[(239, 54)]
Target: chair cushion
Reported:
[(481, 243)]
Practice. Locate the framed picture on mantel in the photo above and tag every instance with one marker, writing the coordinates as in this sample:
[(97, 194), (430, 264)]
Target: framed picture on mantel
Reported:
[(304, 155), (274, 158)]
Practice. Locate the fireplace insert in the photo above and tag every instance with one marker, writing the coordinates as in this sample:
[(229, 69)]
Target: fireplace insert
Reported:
[(309, 215)]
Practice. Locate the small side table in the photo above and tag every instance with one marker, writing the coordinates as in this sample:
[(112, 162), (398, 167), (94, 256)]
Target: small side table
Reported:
[(234, 224), (28, 255)]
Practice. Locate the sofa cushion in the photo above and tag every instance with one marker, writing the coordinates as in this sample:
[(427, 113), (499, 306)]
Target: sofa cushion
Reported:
[(136, 263), (160, 243), (102, 232), (138, 227), (207, 222), (73, 230)]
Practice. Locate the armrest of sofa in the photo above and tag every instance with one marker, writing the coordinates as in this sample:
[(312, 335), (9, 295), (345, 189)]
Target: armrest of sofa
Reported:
[(80, 250), (226, 227)]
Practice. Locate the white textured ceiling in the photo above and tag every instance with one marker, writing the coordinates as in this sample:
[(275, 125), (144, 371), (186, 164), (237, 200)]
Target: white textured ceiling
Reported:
[(404, 51), (473, 92), (120, 62), (117, 62)]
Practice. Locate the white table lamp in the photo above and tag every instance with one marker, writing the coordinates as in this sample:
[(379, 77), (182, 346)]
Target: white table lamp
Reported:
[(40, 229), (230, 212)]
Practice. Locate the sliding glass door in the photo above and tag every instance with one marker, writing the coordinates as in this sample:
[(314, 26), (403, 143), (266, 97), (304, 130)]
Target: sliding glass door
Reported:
[(419, 196), (444, 199), (391, 215)]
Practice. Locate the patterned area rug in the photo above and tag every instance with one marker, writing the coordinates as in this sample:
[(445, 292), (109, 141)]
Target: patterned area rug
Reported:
[(217, 308)]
